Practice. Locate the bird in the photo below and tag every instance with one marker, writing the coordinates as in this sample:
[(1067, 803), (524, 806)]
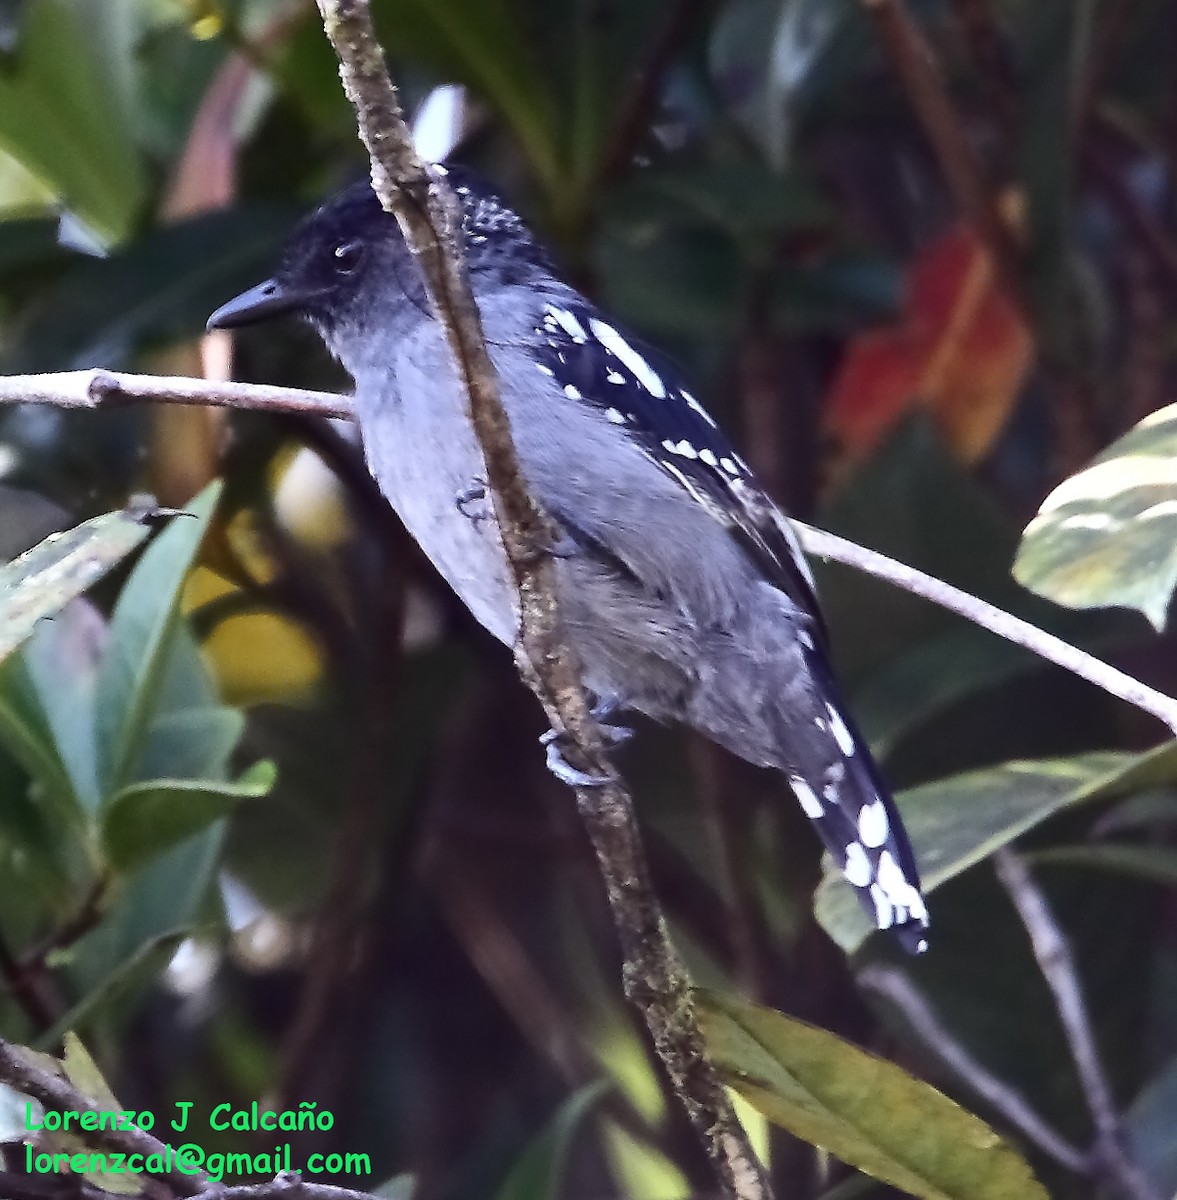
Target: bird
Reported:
[(682, 586)]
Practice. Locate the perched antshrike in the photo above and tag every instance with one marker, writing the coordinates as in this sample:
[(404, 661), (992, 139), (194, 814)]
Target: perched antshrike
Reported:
[(682, 586)]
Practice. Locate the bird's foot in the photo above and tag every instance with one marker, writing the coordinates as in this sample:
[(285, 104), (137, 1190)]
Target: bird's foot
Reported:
[(472, 502), (613, 735), (565, 772)]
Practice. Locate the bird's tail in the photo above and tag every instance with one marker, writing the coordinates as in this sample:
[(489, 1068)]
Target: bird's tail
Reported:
[(843, 794)]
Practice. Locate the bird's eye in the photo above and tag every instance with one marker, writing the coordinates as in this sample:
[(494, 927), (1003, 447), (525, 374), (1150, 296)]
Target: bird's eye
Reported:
[(347, 257)]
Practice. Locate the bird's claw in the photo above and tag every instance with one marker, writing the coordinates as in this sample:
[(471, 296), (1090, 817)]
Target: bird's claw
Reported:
[(565, 772), (613, 735), (472, 503)]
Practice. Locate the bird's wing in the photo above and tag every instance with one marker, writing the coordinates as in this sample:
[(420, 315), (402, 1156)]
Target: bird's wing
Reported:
[(641, 391)]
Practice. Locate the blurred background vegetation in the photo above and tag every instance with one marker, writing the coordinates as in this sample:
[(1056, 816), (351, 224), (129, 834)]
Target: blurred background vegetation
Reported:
[(407, 926)]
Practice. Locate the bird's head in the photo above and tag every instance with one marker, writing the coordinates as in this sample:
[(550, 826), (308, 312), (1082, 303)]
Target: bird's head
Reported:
[(348, 271)]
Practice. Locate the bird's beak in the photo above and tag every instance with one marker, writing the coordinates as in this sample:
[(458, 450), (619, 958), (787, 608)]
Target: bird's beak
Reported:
[(267, 299)]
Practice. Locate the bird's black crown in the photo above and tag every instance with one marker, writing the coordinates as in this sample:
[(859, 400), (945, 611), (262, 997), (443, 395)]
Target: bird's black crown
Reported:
[(496, 238)]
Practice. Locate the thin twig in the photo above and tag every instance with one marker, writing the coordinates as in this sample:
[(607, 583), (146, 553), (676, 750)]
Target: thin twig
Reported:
[(59, 1095), (88, 915), (102, 389), (22, 986), (920, 76), (655, 979), (1058, 969), (989, 616), (895, 986)]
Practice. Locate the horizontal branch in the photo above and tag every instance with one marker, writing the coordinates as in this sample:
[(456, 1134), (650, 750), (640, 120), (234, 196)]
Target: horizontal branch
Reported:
[(106, 389)]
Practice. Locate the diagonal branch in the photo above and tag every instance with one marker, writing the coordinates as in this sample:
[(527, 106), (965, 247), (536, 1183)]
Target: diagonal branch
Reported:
[(655, 979), (892, 984), (1058, 969), (1112, 680)]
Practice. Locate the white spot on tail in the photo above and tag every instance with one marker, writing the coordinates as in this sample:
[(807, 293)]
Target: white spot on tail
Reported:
[(807, 798), (884, 910), (857, 869), (872, 824), (899, 890)]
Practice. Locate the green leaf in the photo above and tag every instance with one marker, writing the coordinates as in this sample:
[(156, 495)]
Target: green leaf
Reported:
[(1153, 864), (537, 1173), (192, 743), (140, 638), (955, 823), (83, 1072), (148, 916), (46, 578), (145, 819), (146, 960), (61, 663), (63, 119), (1108, 535), (27, 734), (860, 1108)]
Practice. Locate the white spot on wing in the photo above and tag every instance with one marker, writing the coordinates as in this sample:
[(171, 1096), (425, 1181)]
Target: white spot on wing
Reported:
[(694, 491), (708, 456), (697, 407), (613, 341), (544, 370), (614, 416), (573, 393), (569, 324)]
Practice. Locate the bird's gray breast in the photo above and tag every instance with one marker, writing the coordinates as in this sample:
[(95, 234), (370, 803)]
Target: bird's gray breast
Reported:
[(422, 452)]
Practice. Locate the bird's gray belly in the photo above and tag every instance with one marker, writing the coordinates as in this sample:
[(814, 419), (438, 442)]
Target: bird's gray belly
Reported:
[(423, 481), (632, 648)]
